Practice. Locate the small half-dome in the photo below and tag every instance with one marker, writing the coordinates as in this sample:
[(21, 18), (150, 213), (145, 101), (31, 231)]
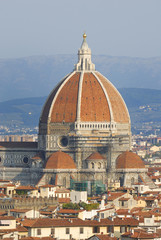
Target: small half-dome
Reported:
[(129, 160), (60, 160), (95, 156)]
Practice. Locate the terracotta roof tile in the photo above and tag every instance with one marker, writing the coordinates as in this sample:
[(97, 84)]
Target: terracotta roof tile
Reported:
[(113, 196), (3, 213), (20, 228), (123, 212), (46, 222), (123, 199), (47, 105), (20, 210), (119, 109), (68, 211), (136, 209), (26, 188), (60, 160), (104, 237), (106, 209), (129, 160), (95, 156), (47, 186), (7, 218), (37, 156), (65, 106), (63, 100), (64, 200), (139, 234), (94, 105)]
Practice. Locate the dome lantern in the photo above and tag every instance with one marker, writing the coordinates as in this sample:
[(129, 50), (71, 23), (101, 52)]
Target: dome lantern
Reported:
[(84, 57)]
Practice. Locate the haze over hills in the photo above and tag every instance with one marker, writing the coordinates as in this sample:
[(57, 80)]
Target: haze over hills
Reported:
[(26, 79), (144, 107), (36, 76)]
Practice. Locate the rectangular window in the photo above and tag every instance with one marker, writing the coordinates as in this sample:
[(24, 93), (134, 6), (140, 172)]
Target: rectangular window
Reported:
[(52, 231), (110, 229), (38, 231), (96, 229), (81, 230), (102, 215), (122, 229), (67, 231)]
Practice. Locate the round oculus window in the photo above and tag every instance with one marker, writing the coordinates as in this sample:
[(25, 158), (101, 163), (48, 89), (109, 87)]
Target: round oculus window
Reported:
[(25, 160), (63, 141)]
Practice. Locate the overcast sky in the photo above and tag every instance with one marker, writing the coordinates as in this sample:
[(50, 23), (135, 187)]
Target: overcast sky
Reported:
[(47, 27)]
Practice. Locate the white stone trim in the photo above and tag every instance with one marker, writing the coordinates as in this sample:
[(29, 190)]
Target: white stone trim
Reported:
[(79, 96), (51, 94), (118, 94), (84, 58), (107, 98), (51, 107)]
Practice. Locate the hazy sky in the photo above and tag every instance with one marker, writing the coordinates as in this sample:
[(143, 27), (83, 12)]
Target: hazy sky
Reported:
[(47, 27)]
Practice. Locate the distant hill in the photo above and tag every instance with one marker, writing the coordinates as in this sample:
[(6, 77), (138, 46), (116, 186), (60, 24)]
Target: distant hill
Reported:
[(21, 112), (36, 76), (135, 97), (144, 106)]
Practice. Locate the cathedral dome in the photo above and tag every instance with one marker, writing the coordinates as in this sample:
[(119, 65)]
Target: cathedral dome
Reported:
[(129, 160), (85, 95)]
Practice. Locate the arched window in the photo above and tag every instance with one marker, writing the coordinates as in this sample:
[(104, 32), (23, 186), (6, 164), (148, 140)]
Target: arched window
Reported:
[(64, 181), (25, 160), (92, 164), (132, 180), (99, 165)]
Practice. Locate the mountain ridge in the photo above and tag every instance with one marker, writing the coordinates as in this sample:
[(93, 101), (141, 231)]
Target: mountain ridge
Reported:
[(144, 106), (37, 75)]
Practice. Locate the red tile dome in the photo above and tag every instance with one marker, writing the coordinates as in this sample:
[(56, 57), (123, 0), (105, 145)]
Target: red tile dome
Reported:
[(85, 95), (99, 101), (129, 160), (60, 160), (95, 156)]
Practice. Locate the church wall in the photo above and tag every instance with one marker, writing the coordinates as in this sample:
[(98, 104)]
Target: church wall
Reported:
[(60, 178), (26, 176), (81, 147), (16, 157), (93, 176), (82, 115)]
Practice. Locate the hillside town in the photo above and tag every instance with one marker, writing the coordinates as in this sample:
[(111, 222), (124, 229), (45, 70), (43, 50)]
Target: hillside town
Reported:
[(50, 211), (103, 211)]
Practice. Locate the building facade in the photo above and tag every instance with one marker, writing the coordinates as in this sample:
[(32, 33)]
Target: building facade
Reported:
[(84, 126)]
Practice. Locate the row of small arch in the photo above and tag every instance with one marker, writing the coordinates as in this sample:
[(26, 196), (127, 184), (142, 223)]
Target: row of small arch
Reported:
[(95, 125)]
